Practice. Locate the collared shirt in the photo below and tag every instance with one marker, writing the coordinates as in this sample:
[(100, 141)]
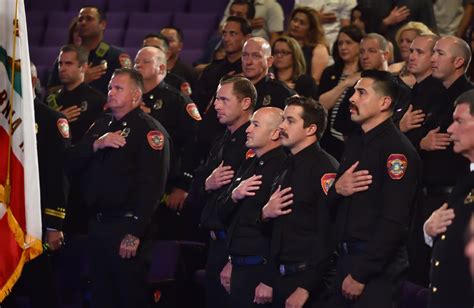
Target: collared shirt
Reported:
[(380, 215)]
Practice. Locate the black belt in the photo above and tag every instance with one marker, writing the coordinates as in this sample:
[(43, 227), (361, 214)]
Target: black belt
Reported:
[(291, 268), (351, 248), (247, 260), (437, 190), (217, 234), (101, 217)]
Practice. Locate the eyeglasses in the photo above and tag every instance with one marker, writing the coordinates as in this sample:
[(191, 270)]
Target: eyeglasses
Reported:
[(283, 53)]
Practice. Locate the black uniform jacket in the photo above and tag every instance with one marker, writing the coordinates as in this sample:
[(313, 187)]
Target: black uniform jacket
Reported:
[(89, 100), (52, 140), (180, 117), (380, 216), (304, 234), (272, 92), (444, 167), (245, 235), (130, 179), (231, 150), (451, 283)]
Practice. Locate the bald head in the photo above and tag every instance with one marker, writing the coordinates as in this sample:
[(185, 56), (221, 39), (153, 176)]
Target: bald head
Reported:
[(459, 48), (262, 44), (256, 59), (263, 133), (151, 63), (272, 116), (451, 57)]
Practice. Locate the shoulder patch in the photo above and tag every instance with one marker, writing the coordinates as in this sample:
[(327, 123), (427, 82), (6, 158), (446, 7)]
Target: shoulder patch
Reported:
[(250, 154), (193, 111), (326, 181), (156, 140), (396, 166), (125, 60), (63, 127), (186, 89)]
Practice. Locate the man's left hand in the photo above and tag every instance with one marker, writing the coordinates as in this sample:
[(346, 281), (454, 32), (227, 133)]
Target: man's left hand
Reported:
[(351, 288), (297, 299), (176, 198), (129, 246)]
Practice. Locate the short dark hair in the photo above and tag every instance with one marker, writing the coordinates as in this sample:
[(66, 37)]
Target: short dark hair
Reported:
[(82, 54), (159, 36), (242, 88), (466, 98), (179, 32), (134, 75), (245, 27), (102, 15), (250, 7), (384, 84), (313, 112)]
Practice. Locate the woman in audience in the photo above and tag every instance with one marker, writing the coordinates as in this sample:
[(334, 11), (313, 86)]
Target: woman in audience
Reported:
[(290, 67), (336, 80), (306, 29), (405, 35), (73, 37)]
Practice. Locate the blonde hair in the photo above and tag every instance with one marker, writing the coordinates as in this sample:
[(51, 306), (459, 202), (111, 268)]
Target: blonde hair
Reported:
[(418, 27)]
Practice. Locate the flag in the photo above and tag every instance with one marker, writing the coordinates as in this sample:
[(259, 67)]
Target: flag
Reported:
[(20, 210)]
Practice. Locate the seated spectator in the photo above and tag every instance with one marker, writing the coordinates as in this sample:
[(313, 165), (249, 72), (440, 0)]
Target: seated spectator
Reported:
[(214, 49), (333, 14), (335, 82), (74, 37), (290, 67), (404, 37), (305, 28), (174, 63), (268, 21)]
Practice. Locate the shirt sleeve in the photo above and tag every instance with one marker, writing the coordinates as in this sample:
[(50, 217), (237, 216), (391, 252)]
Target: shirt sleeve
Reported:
[(274, 18), (428, 239)]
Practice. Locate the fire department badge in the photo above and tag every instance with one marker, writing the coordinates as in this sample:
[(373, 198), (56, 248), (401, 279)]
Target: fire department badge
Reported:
[(250, 154), (158, 104), (63, 127), (193, 111), (156, 140), (267, 100), (396, 166), (470, 197), (327, 180)]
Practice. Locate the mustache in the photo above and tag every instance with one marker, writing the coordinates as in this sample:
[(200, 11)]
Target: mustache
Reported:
[(283, 134), (352, 106)]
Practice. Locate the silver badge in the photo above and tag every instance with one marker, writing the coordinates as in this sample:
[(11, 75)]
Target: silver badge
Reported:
[(83, 106), (124, 133), (158, 104), (267, 100)]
